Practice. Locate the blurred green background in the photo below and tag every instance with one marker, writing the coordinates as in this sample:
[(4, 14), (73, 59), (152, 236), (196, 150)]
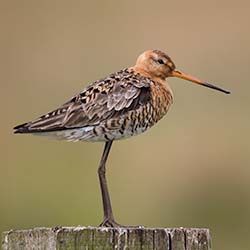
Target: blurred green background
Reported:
[(190, 170)]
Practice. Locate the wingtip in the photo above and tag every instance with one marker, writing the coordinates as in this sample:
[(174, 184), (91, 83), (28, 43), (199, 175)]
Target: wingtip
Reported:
[(20, 129)]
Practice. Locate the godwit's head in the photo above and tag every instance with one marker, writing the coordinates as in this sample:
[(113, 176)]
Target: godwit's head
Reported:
[(158, 65)]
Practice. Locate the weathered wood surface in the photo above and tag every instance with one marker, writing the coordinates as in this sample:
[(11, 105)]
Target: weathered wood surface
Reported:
[(81, 238)]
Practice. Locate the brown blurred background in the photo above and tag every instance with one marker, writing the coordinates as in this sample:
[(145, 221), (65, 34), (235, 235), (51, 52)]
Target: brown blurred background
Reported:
[(191, 170)]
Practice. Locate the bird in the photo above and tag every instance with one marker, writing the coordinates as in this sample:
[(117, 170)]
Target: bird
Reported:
[(121, 105)]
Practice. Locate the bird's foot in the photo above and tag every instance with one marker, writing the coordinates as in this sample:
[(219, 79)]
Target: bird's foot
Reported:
[(108, 222)]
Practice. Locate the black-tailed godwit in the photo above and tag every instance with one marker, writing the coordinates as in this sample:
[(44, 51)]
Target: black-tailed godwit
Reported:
[(121, 105)]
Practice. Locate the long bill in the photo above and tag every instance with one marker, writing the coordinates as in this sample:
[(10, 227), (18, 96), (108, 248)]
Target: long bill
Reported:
[(179, 74)]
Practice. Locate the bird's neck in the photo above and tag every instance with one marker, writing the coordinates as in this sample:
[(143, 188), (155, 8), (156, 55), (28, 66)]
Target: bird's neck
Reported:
[(141, 70), (161, 81)]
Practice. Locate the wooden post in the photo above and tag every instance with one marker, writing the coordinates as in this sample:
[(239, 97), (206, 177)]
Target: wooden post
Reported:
[(94, 238)]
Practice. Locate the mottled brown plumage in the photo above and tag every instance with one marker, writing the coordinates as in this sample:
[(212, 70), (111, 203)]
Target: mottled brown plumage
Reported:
[(121, 105)]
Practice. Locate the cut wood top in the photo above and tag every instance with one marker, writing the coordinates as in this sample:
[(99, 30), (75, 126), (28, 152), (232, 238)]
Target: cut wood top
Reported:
[(79, 238)]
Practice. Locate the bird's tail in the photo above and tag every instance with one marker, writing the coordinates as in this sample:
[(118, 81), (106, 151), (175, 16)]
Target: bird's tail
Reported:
[(40, 125), (21, 129)]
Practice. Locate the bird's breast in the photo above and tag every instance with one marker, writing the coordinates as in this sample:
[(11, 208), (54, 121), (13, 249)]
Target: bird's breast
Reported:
[(139, 120), (161, 99)]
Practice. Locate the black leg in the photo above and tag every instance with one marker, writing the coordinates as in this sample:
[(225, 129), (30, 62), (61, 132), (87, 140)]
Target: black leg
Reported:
[(108, 213)]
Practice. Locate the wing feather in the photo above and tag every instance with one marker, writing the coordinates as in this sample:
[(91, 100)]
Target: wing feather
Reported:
[(100, 101)]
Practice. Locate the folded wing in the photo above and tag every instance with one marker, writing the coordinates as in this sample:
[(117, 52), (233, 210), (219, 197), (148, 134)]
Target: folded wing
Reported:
[(103, 100)]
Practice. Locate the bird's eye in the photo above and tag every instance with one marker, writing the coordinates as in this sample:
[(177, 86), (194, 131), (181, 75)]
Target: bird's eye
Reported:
[(160, 61)]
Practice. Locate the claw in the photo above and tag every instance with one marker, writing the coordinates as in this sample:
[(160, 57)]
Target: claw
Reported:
[(107, 222), (110, 223)]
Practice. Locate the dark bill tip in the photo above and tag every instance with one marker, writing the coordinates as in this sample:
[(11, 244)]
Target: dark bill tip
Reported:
[(206, 84)]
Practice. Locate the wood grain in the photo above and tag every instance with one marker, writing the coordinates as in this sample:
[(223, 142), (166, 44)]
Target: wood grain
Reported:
[(79, 238)]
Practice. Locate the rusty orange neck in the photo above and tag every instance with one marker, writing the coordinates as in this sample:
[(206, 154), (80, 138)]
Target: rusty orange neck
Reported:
[(162, 81)]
